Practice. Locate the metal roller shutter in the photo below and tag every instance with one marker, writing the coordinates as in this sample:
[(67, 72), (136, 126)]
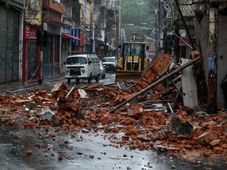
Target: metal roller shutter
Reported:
[(12, 71), (9, 45), (2, 43)]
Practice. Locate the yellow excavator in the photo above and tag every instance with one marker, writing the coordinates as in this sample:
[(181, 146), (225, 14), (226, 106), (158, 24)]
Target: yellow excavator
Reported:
[(132, 62)]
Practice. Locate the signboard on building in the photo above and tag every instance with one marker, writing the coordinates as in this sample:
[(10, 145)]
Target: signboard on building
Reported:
[(33, 12), (29, 32)]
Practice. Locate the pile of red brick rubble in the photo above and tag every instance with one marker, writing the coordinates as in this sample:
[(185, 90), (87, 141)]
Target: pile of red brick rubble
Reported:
[(189, 136)]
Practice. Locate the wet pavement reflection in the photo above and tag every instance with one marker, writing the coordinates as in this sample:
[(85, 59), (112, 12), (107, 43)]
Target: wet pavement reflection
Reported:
[(26, 149)]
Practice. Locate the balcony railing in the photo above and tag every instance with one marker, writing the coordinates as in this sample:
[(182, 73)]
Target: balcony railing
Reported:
[(58, 7)]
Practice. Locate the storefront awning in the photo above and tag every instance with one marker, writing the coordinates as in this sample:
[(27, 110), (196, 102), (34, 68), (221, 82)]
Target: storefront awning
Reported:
[(70, 36)]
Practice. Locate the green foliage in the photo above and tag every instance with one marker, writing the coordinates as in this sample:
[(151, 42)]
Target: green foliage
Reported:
[(132, 13), (137, 12)]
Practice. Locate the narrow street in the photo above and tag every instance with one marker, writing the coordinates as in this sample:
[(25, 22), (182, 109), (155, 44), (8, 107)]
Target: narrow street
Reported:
[(80, 148), (113, 84)]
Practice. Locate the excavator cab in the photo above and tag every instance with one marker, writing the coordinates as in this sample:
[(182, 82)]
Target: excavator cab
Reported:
[(132, 62)]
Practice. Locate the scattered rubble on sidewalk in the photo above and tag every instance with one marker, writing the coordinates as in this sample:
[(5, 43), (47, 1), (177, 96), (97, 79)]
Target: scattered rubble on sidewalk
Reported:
[(139, 124)]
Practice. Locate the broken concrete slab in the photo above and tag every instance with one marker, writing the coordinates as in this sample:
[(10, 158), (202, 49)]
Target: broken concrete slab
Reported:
[(208, 137), (178, 127), (46, 114), (155, 83), (158, 67), (59, 89), (83, 94), (135, 110), (59, 86)]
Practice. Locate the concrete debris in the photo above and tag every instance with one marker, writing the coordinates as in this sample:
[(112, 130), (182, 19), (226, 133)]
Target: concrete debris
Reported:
[(185, 135), (154, 84), (207, 138), (155, 107), (46, 114), (82, 93), (59, 89), (158, 67), (224, 125), (178, 127)]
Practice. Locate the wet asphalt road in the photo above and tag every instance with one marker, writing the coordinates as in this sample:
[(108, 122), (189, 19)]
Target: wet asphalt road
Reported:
[(82, 151)]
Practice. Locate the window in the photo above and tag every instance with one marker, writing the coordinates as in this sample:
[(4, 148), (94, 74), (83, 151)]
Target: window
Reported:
[(76, 60), (136, 49), (108, 60), (133, 50)]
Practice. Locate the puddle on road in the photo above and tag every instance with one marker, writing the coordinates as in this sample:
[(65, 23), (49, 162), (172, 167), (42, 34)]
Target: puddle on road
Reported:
[(84, 151)]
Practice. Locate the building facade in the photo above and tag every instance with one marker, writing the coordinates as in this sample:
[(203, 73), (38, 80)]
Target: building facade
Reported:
[(31, 49), (38, 35), (211, 18), (11, 36)]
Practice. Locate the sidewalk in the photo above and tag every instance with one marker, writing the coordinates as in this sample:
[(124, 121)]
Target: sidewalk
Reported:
[(14, 87)]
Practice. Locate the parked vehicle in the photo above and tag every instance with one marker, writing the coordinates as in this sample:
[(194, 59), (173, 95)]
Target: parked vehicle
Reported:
[(82, 66), (110, 63), (102, 71)]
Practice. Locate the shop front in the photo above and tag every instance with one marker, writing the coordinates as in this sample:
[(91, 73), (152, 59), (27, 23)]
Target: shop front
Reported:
[(52, 24), (30, 54), (31, 64), (10, 20)]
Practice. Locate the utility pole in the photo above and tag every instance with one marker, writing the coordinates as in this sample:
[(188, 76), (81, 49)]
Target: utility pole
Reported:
[(212, 60), (92, 39), (120, 33), (117, 31), (159, 23), (156, 32), (105, 27)]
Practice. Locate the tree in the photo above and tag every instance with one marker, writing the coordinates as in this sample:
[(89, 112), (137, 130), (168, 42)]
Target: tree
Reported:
[(135, 16)]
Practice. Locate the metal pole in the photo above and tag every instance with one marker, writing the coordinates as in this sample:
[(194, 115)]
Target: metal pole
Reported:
[(212, 60), (117, 31), (159, 23), (120, 35), (156, 33), (60, 53), (145, 90), (91, 26)]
